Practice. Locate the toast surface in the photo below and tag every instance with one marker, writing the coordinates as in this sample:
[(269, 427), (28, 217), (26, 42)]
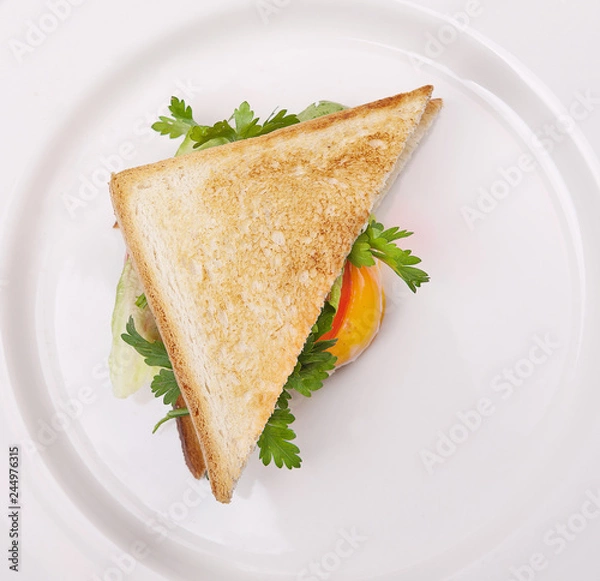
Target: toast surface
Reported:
[(237, 247)]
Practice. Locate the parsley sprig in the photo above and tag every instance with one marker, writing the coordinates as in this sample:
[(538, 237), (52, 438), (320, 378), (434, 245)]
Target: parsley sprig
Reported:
[(245, 125), (179, 124), (376, 242), (275, 443), (164, 383), (171, 414), (315, 362), (154, 353)]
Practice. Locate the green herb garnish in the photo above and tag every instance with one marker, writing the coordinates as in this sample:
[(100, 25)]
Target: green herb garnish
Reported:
[(155, 354), (164, 385), (376, 242), (178, 125), (171, 414), (275, 443), (245, 126)]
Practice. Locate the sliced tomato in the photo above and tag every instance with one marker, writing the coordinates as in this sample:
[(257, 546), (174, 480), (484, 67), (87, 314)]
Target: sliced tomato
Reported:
[(345, 294), (360, 311)]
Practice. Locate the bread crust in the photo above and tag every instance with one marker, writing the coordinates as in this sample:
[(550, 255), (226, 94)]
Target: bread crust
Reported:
[(190, 445), (237, 247)]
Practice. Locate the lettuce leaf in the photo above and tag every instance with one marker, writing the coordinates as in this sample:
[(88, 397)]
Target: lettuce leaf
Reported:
[(128, 371)]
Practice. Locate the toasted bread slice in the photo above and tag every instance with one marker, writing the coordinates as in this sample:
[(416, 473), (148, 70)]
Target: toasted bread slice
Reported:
[(237, 247)]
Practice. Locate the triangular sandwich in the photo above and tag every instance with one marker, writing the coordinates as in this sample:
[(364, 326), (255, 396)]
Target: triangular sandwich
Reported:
[(237, 248)]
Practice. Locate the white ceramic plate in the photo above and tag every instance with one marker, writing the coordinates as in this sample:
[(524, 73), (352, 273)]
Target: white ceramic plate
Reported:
[(435, 445)]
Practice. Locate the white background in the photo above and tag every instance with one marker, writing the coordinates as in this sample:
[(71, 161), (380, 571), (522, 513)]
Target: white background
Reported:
[(558, 40)]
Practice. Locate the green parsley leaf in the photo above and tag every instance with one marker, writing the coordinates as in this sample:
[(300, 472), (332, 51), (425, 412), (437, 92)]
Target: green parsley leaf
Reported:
[(312, 369), (221, 132), (376, 242), (279, 121), (154, 353), (275, 443), (245, 122), (324, 322), (315, 362), (164, 385), (171, 414), (246, 126), (178, 125), (283, 401)]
